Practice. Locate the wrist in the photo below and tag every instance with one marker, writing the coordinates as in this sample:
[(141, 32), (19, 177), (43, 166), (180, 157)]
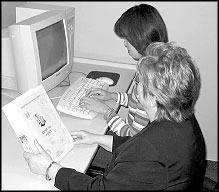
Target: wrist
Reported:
[(47, 171), (52, 171), (97, 139), (106, 108), (114, 96), (108, 113)]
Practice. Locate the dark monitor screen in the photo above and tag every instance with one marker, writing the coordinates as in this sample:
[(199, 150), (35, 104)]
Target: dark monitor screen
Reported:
[(52, 48)]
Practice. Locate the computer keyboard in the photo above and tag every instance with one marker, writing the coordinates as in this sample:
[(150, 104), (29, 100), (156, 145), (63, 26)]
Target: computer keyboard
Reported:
[(69, 102)]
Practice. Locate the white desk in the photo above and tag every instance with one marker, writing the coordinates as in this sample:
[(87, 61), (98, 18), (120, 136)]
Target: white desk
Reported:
[(15, 171)]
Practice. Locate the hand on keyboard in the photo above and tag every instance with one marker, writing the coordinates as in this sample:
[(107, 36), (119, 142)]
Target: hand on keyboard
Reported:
[(98, 94), (93, 104), (69, 102)]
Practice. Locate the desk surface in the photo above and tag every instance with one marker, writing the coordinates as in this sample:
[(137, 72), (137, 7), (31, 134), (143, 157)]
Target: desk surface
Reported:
[(15, 171)]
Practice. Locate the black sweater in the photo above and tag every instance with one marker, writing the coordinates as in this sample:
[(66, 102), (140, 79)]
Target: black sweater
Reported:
[(165, 156)]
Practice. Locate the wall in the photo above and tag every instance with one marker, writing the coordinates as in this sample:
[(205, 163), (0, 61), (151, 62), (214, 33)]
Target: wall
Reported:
[(8, 12), (192, 25)]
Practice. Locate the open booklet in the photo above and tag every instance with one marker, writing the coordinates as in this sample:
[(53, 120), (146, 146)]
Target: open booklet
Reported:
[(33, 116)]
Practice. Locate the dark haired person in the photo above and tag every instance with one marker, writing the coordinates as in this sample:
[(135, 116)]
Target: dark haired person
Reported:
[(168, 154), (139, 26)]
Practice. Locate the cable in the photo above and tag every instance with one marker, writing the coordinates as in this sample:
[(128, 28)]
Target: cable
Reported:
[(67, 82)]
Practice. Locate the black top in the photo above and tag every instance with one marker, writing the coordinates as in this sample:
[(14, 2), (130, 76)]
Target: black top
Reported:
[(165, 156)]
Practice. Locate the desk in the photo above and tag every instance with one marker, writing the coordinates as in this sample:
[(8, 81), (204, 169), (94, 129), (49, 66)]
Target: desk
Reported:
[(15, 171)]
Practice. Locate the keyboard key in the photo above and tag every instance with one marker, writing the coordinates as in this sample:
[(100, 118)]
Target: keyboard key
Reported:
[(69, 102)]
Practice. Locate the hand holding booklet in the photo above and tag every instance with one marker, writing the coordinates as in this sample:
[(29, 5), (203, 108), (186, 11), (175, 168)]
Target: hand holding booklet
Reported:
[(33, 116)]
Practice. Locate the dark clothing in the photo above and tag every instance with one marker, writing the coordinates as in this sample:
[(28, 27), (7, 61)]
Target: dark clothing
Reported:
[(102, 157), (165, 156)]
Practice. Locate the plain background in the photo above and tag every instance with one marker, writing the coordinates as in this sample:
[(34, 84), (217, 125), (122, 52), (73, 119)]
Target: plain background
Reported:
[(193, 25)]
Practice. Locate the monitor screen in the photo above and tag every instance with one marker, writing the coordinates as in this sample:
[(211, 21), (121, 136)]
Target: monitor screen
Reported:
[(43, 48), (52, 48)]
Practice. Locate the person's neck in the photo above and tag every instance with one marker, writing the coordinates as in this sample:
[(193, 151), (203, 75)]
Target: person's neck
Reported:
[(152, 114)]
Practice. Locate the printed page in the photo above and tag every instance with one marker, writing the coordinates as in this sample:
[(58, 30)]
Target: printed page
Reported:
[(33, 116)]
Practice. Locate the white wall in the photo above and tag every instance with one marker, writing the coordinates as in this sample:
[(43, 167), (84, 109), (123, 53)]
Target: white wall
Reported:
[(192, 25)]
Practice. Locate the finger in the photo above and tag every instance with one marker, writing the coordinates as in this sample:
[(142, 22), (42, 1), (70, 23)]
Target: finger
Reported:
[(75, 134), (83, 105), (93, 92), (96, 96), (77, 139), (100, 97), (85, 99), (38, 146), (27, 156), (77, 142)]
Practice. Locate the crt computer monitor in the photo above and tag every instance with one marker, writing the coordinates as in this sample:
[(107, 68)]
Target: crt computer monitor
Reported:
[(43, 48)]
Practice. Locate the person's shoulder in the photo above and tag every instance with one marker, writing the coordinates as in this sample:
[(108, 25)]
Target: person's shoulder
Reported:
[(160, 126), (161, 130), (168, 129)]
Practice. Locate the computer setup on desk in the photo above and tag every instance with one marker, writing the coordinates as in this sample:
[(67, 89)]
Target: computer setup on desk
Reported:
[(36, 39), (43, 50), (78, 158)]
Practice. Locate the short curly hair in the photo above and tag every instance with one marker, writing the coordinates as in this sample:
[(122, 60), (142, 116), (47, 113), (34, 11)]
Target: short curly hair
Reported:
[(170, 75)]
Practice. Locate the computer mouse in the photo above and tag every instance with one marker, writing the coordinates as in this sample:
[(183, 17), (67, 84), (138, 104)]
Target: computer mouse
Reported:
[(106, 80)]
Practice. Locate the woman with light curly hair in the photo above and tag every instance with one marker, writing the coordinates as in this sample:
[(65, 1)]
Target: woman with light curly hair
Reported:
[(168, 154)]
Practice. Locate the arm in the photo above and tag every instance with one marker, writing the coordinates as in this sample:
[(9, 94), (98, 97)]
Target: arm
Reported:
[(122, 98), (126, 172), (105, 141), (136, 120), (121, 175), (117, 124), (101, 94), (119, 97), (42, 163)]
